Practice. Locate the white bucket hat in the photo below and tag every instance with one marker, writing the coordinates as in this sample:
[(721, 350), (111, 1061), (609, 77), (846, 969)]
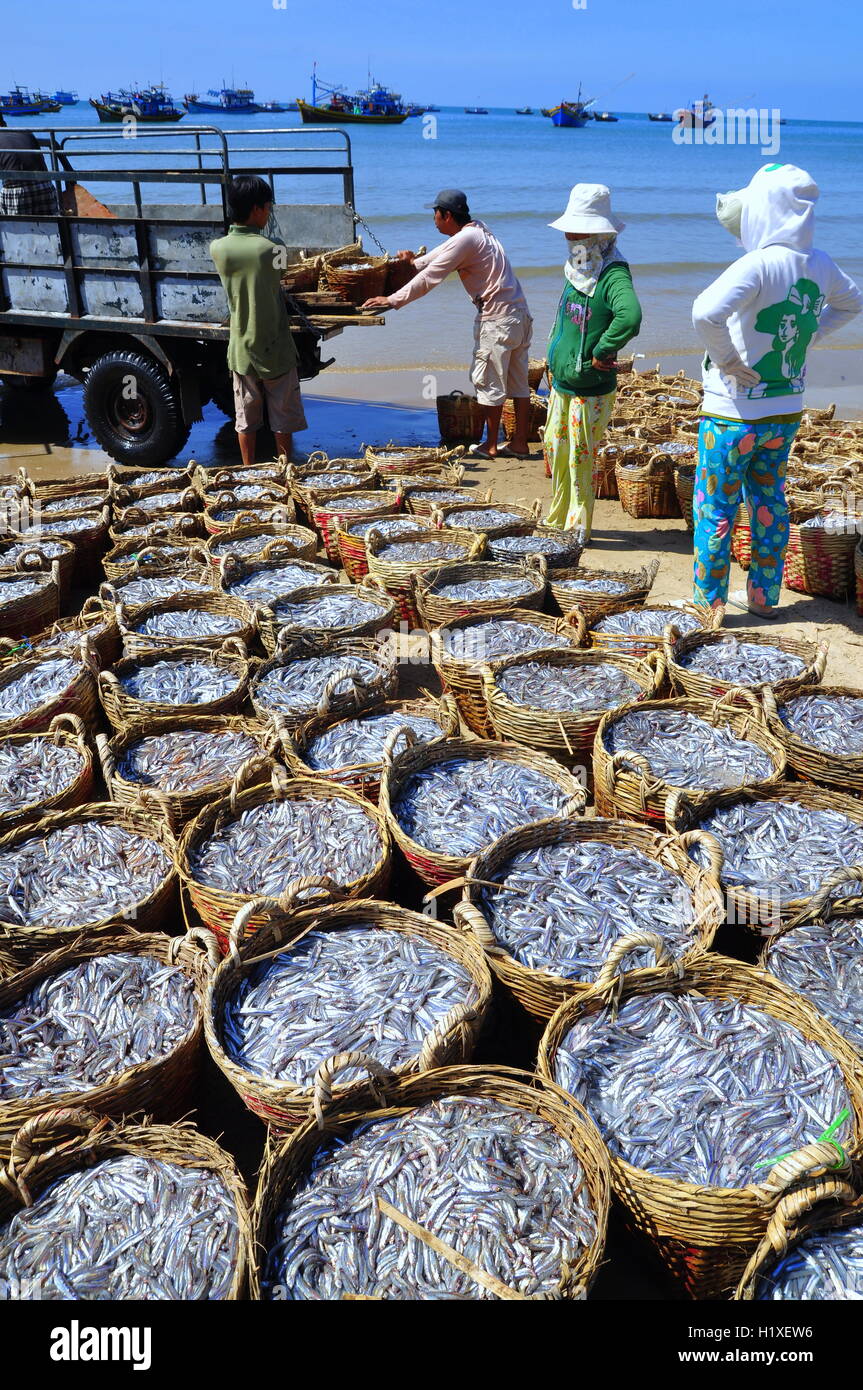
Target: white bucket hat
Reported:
[(588, 210)]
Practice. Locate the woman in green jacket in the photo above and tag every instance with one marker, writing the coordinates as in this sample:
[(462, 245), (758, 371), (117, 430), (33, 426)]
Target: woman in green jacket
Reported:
[(598, 313)]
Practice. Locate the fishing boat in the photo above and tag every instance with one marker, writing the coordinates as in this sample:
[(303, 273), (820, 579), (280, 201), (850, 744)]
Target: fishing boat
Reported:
[(604, 116), (274, 108), (152, 104), (659, 116), (225, 100), (572, 113), (545, 110), (376, 106), (45, 102), (17, 102), (66, 98), (475, 111), (524, 111), (697, 116)]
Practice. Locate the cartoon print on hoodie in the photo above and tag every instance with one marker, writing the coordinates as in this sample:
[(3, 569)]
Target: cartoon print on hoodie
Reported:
[(773, 301)]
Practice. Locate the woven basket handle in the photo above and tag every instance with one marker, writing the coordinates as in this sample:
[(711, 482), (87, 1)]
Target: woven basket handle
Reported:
[(317, 456), (227, 498), (448, 712), (136, 516), (107, 762), (575, 803), (344, 673), (819, 902), (198, 936), (234, 646), (768, 698), (628, 761), (468, 917), (610, 975), (32, 560), (69, 722), (783, 1227), (536, 561), (92, 605), (717, 618), (732, 698), (820, 663), (377, 586), (224, 477), (811, 1158), (715, 852), (576, 619), (658, 665), (379, 1077), (392, 739), (678, 808), (39, 1135), (243, 778), (434, 1050)]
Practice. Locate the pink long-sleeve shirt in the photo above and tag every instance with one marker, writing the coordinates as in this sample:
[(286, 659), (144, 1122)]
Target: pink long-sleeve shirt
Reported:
[(483, 267)]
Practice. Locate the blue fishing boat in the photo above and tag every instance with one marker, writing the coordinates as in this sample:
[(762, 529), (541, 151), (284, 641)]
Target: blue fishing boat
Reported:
[(17, 102), (225, 101), (376, 106), (572, 113), (66, 98), (698, 116), (151, 104)]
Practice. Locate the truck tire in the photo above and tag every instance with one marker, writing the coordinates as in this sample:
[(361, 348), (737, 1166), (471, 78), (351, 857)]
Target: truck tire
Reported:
[(133, 409)]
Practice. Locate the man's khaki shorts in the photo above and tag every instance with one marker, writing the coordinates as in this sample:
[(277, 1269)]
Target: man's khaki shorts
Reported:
[(284, 402), (500, 356)]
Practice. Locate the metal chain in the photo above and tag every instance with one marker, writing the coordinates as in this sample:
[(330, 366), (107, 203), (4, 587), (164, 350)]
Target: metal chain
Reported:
[(364, 224)]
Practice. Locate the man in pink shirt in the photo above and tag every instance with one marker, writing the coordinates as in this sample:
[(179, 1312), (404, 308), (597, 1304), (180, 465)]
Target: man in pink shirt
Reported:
[(503, 325)]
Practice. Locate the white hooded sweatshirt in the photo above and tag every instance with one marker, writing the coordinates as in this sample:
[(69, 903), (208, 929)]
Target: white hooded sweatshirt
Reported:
[(772, 303)]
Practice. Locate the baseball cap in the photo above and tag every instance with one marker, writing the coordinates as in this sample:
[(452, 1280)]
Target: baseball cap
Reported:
[(450, 200)]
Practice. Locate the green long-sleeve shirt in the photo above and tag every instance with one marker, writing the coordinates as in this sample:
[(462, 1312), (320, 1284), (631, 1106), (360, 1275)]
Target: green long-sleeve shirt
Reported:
[(585, 328), (260, 341)]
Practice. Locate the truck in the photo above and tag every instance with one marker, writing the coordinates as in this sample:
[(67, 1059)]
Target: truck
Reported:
[(118, 288)]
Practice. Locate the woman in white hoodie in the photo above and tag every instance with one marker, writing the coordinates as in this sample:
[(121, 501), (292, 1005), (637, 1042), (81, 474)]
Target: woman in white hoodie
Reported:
[(757, 322)]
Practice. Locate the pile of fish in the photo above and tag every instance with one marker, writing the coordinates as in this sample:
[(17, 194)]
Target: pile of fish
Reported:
[(543, 685), (594, 586), (699, 1089), (476, 590), (354, 742), (161, 501), (687, 751), (13, 550), (497, 1184), (270, 845), (339, 607), (675, 447), (401, 551), (35, 687), (246, 545), (78, 523), (267, 585), (92, 1022), (743, 663), (264, 516), (250, 492), (69, 641), (184, 760), (297, 686), (831, 723), (149, 588), (647, 622), (459, 805), (11, 589), (185, 682), (826, 1267), (562, 907), (360, 987), (128, 1228), (835, 523), (387, 525), (498, 637), (79, 873), (824, 962), (81, 502), (35, 771), (331, 481), (358, 502), (532, 544), (185, 624), (484, 518), (449, 496), (783, 849)]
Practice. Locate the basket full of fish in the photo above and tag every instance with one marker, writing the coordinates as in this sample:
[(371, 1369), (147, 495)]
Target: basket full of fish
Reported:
[(547, 902), (358, 976), (464, 646), (325, 613), (17, 555), (812, 1250), (33, 691), (201, 620), (174, 684), (414, 460), (45, 771), (639, 630), (350, 750), (644, 752), (137, 589), (329, 516), (595, 593), (226, 513), (144, 481), (91, 621), (259, 840), (560, 549), (97, 1210), (395, 563), (175, 767), (308, 678), (313, 483), (130, 556), (265, 582), (479, 587), (713, 1086), (446, 802), (463, 1183), (703, 665), (29, 597), (351, 538), (263, 541), (488, 518), (94, 868), (112, 1023), (821, 731)]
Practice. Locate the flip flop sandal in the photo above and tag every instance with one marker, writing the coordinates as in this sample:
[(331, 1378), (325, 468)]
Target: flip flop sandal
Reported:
[(741, 600), (477, 453), (507, 453)]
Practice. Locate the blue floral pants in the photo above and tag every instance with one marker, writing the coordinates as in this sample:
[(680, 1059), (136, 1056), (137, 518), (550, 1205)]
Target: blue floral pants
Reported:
[(741, 457)]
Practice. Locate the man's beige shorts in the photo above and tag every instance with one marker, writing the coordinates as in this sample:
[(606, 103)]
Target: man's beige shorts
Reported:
[(500, 355), (284, 402)]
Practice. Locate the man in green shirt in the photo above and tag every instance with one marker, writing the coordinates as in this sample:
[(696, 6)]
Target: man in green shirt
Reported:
[(261, 352)]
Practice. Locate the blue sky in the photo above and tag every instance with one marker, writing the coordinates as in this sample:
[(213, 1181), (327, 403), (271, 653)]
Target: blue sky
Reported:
[(492, 52)]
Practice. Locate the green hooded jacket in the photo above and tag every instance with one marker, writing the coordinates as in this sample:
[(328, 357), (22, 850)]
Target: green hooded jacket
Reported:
[(585, 328)]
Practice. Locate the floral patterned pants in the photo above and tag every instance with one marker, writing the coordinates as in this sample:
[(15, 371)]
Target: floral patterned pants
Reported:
[(574, 427), (734, 457)]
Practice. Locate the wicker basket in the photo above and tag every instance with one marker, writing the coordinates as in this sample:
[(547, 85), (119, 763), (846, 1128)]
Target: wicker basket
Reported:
[(136, 642), (276, 472), (435, 610), (461, 418), (143, 529), (858, 576), (741, 537), (290, 541), (594, 605), (536, 418), (624, 784), (24, 614), (275, 634), (536, 369), (567, 736), (431, 866), (218, 908), (226, 513), (178, 807), (90, 541), (364, 778), (79, 697), (301, 277), (705, 1235), (286, 1168), (63, 1141), (541, 992), (462, 675), (180, 501), (400, 272), (311, 499), (761, 914), (647, 490), (352, 545), (835, 771), (392, 463), (608, 456), (131, 556), (554, 559), (684, 487), (362, 695), (697, 686), (111, 593), (55, 489), (357, 283), (284, 1104), (397, 578), (93, 622), (640, 644), (460, 516), (66, 731), (418, 501), (232, 569), (156, 912), (820, 562), (43, 555), (829, 1205), (124, 710), (146, 482), (162, 1086), (327, 516)]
